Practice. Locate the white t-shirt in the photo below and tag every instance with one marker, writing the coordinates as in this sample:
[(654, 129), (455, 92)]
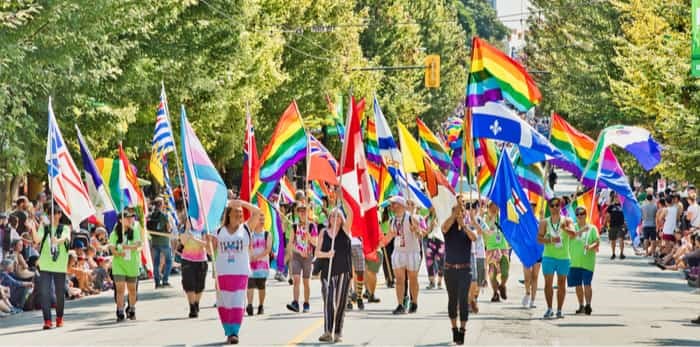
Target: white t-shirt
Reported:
[(694, 210), (478, 246)]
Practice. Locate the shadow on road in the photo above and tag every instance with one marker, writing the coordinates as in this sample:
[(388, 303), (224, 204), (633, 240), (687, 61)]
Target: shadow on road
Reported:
[(591, 325), (671, 342), (649, 286)]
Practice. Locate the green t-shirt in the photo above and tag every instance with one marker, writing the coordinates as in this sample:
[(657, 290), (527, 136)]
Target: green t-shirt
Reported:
[(129, 264), (384, 227), (46, 262), (161, 226), (321, 217), (554, 250), (580, 257), (494, 239)]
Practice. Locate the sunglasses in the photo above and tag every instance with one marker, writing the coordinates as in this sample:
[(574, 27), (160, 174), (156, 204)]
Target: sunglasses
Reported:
[(581, 214), (554, 205)]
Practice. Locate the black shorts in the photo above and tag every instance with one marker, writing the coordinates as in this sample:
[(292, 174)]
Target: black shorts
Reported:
[(194, 274), (616, 232), (650, 233), (256, 283)]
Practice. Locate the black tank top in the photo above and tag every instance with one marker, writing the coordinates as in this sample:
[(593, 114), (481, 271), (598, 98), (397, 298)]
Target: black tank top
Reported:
[(342, 262)]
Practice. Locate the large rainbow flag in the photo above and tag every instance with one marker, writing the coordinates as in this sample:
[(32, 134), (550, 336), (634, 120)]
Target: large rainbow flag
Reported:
[(287, 145), (576, 146), (273, 224), (494, 76), (486, 156)]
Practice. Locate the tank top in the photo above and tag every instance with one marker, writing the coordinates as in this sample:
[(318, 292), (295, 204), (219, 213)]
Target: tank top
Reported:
[(558, 250), (405, 240), (302, 235), (670, 221), (260, 268), (341, 259), (457, 246), (233, 257)]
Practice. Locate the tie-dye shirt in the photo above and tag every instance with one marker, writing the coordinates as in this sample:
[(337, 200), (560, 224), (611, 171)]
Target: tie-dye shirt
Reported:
[(260, 268), (192, 250)]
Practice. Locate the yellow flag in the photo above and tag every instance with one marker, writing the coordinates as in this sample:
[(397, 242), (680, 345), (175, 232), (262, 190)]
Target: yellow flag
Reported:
[(411, 152), (155, 166)]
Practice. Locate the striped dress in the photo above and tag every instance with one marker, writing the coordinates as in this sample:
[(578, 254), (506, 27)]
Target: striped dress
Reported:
[(260, 268), (232, 269)]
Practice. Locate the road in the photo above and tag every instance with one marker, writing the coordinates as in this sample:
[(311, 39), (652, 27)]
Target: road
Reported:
[(633, 303)]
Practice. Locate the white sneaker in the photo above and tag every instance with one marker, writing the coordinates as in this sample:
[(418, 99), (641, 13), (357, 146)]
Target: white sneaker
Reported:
[(696, 291), (526, 301)]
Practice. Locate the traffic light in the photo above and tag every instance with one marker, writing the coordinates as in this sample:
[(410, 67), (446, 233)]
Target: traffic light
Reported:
[(432, 71)]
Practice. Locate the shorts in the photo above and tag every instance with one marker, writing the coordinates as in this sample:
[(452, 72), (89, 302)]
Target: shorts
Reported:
[(257, 283), (479, 271), (552, 265), (667, 237), (374, 266), (579, 277), (301, 266), (615, 233), (405, 260), (194, 274), (123, 278), (650, 233), (358, 258)]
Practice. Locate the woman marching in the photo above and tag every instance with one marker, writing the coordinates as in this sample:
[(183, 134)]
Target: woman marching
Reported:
[(125, 245), (335, 249), (458, 243), (233, 245), (259, 264)]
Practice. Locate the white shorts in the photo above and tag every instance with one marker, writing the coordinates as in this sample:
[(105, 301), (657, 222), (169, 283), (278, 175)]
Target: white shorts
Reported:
[(406, 260)]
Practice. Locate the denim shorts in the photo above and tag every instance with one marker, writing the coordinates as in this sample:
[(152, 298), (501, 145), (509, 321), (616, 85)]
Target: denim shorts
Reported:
[(579, 277), (552, 265)]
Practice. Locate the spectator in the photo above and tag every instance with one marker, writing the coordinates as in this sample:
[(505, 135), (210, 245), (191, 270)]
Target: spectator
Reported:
[(22, 214), (18, 289), (159, 227), (4, 235), (649, 211), (615, 220), (22, 271)]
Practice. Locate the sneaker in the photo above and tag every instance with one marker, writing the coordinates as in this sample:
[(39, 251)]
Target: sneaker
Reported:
[(502, 291), (158, 286), (532, 304), (131, 313), (47, 325), (338, 338), (373, 299), (588, 310), (696, 321), (290, 281), (166, 285), (249, 310), (360, 305), (261, 310), (326, 337), (399, 310), (612, 257), (560, 315), (365, 295), (622, 256), (495, 298), (696, 291), (549, 314), (430, 286), (349, 305), (439, 285), (59, 322), (581, 310), (307, 307), (413, 308), (526, 301), (294, 306), (120, 316)]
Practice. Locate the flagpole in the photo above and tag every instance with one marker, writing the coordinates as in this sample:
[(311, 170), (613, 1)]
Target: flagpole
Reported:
[(249, 124), (180, 171), (53, 156)]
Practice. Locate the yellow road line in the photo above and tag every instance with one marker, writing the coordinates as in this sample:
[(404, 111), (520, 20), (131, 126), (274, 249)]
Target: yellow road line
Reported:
[(304, 334)]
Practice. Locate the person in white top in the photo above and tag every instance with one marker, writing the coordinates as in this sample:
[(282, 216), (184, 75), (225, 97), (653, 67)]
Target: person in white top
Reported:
[(671, 216), (693, 212), (405, 229)]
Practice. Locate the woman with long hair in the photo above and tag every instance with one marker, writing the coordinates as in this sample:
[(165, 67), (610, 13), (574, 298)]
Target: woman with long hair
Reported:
[(125, 245), (335, 252), (233, 244)]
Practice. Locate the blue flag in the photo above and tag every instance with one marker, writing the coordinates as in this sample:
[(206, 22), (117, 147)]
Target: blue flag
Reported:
[(498, 122), (518, 223)]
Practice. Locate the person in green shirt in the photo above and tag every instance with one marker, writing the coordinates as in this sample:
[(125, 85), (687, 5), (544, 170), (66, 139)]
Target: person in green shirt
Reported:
[(497, 253), (583, 249), (53, 241), (555, 233), (159, 228), (125, 245)]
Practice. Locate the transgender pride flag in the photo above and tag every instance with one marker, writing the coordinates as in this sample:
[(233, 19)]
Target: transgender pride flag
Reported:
[(206, 191)]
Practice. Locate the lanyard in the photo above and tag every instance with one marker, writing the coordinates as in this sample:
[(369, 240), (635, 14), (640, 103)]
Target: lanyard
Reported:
[(555, 229)]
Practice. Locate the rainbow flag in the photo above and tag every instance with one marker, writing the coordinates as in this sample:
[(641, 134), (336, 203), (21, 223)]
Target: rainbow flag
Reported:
[(486, 156), (576, 146), (374, 158), (273, 224), (494, 76), (584, 200), (433, 146), (112, 173), (387, 186), (287, 190), (287, 145), (455, 141)]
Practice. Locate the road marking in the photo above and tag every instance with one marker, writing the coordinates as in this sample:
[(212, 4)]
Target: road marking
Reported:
[(304, 334)]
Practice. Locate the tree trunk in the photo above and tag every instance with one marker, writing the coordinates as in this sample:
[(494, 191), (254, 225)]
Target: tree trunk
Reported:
[(8, 192)]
